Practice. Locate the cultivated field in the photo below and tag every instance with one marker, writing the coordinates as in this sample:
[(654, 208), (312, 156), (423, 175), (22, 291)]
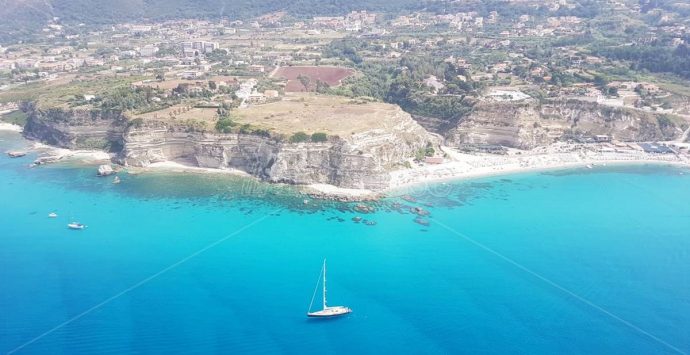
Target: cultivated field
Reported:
[(329, 75)]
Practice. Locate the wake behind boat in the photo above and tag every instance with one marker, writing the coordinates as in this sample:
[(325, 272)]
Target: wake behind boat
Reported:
[(326, 312)]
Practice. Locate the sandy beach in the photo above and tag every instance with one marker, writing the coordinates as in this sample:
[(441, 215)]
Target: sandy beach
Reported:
[(456, 165), (4, 126), (54, 154), (179, 167), (558, 156)]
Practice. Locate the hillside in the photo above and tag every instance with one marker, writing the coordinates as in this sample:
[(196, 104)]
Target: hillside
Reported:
[(20, 17)]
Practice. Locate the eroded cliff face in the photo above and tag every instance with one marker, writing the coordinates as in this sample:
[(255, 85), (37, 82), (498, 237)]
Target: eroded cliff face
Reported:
[(526, 125), (361, 161), (77, 129)]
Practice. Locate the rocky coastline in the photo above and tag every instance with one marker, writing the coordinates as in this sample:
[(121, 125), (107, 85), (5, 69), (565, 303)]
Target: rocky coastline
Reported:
[(364, 165), (360, 161)]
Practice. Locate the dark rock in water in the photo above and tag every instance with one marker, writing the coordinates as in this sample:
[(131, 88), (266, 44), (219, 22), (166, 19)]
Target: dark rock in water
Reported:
[(46, 160), (409, 198), (419, 211), (357, 219), (16, 154), (364, 208), (422, 221), (370, 223)]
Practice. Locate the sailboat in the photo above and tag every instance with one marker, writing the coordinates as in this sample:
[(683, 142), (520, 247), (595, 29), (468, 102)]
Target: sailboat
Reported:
[(326, 312)]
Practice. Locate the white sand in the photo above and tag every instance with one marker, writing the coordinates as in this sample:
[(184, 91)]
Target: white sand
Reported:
[(339, 191), (179, 167), (86, 156), (559, 156), (4, 126)]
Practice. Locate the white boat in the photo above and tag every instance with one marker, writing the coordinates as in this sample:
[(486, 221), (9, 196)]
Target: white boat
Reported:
[(52, 215), (326, 312), (116, 180), (76, 225)]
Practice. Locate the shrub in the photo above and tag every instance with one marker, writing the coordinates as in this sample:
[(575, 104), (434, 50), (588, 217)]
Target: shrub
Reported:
[(299, 137), (224, 125), (137, 122), (319, 137)]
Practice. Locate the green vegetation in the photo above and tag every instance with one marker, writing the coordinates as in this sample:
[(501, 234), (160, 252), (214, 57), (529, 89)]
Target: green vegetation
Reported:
[(319, 137), (52, 95), (137, 122), (421, 153), (225, 125), (299, 137), (405, 87), (657, 59), (16, 117)]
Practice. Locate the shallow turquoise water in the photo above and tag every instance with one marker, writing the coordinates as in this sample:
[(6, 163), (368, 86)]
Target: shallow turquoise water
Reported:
[(581, 261)]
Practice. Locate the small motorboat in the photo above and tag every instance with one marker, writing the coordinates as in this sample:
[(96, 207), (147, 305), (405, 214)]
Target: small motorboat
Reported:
[(116, 180), (52, 215), (76, 225)]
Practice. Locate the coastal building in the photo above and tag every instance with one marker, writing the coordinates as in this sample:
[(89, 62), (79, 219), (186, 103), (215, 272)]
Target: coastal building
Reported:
[(148, 51), (602, 138)]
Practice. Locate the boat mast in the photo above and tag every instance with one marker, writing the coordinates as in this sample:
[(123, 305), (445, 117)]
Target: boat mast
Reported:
[(324, 284)]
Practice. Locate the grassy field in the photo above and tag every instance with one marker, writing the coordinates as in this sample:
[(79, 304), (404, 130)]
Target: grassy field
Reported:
[(311, 113), (58, 92), (15, 117), (308, 113), (183, 112)]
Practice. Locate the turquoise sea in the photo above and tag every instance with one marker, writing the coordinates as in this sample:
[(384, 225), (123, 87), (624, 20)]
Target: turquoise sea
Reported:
[(578, 261)]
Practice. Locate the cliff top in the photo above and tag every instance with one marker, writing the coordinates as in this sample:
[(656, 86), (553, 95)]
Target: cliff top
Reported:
[(310, 113)]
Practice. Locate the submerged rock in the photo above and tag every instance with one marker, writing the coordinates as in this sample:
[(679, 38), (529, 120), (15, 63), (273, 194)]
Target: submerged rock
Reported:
[(46, 160), (422, 221), (16, 154)]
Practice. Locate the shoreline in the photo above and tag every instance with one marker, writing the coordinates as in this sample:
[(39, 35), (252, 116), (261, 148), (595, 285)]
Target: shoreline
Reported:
[(4, 126), (173, 166), (459, 166), (470, 166), (539, 169)]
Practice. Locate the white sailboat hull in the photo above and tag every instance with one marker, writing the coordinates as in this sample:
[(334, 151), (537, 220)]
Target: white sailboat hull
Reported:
[(329, 312)]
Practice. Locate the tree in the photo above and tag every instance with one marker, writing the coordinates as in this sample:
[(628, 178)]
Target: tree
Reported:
[(319, 137), (299, 137), (305, 81)]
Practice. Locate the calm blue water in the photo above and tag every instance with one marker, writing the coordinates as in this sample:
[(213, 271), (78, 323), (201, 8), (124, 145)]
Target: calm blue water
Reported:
[(567, 262)]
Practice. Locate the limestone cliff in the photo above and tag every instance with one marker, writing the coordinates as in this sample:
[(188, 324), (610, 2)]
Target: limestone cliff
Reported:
[(526, 125), (362, 160), (77, 128)]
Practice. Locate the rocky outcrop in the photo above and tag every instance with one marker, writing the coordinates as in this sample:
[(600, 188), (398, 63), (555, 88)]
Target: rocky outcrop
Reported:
[(360, 161), (527, 125), (105, 170), (77, 129)]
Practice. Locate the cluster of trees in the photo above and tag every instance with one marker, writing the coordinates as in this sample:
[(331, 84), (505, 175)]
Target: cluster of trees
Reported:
[(657, 59), (402, 84), (126, 99), (300, 137)]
